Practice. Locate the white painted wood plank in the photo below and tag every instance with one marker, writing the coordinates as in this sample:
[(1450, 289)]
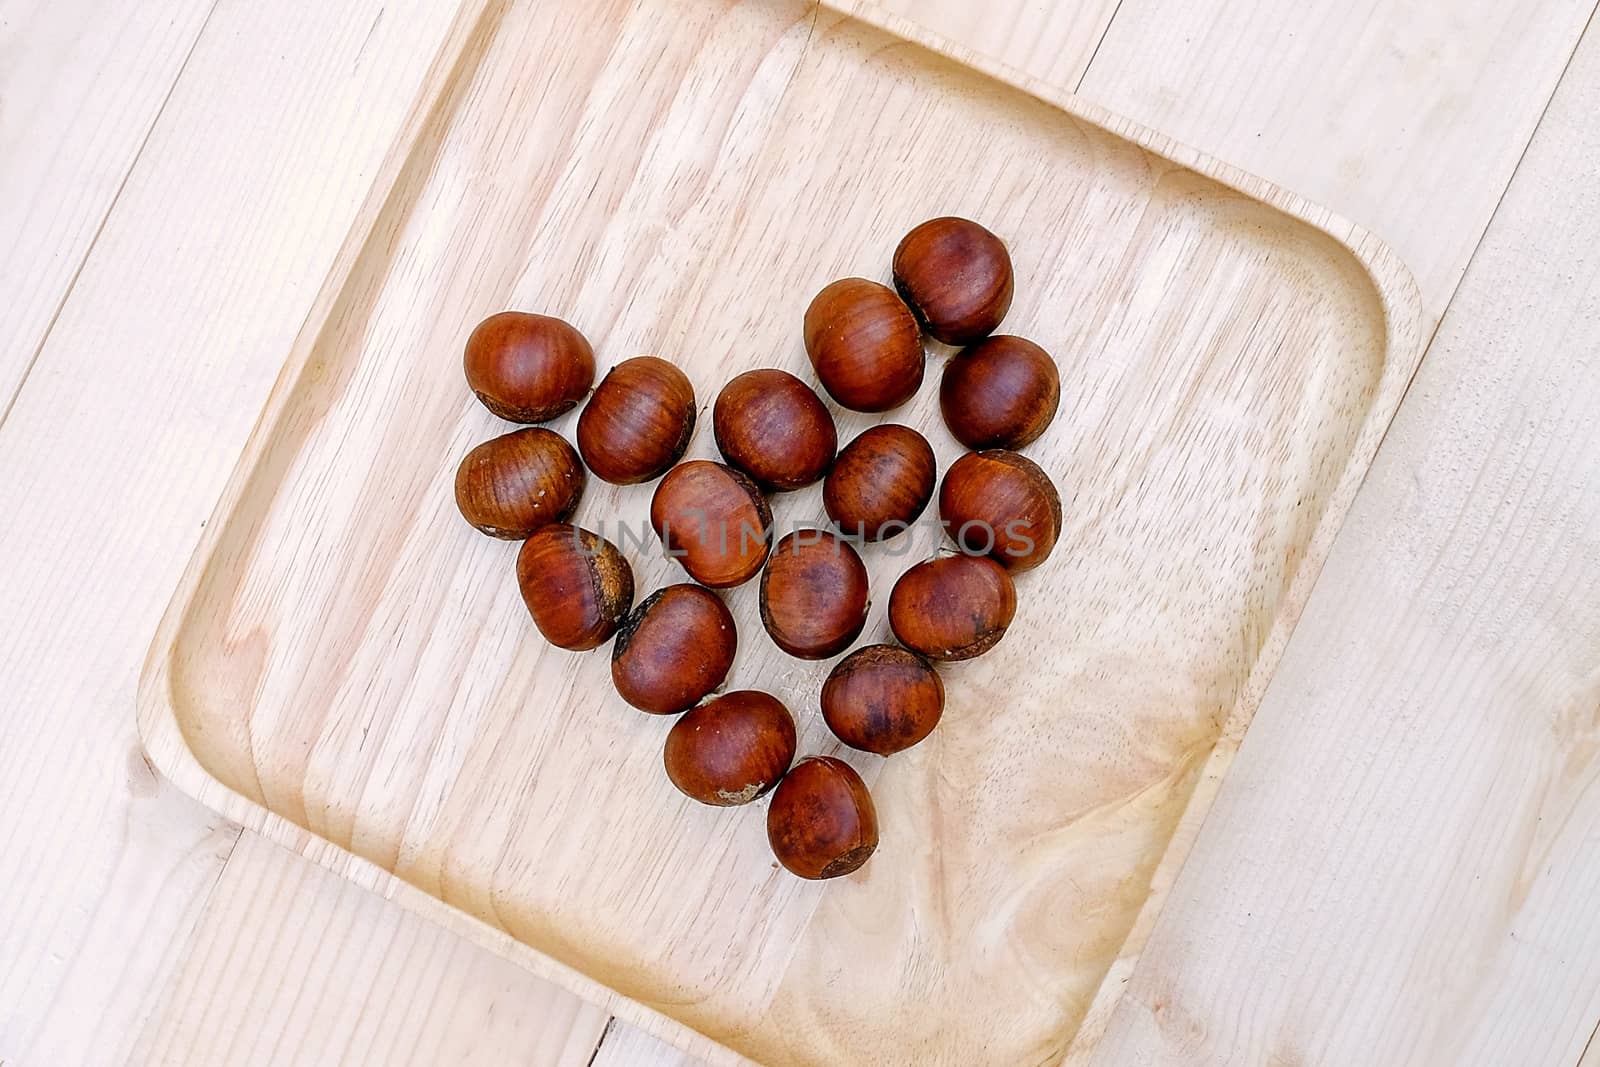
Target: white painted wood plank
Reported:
[(1407, 116), (81, 82), (1403, 865), (293, 964), (110, 461)]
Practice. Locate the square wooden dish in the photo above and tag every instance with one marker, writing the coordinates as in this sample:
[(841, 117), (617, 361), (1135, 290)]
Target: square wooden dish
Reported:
[(348, 669)]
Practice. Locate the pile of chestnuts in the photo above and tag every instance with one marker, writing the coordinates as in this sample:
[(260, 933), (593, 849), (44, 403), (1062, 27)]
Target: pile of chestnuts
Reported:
[(672, 651)]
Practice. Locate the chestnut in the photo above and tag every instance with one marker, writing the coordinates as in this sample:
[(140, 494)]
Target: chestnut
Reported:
[(770, 425), (956, 278), (882, 699), (953, 607), (865, 344), (675, 647), (1000, 393), (638, 422), (880, 483), (1001, 504), (714, 521), (528, 368), (732, 749), (814, 594), (576, 584), (821, 822), (511, 485)]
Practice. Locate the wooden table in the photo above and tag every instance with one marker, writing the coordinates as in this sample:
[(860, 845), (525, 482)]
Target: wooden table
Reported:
[(1402, 865)]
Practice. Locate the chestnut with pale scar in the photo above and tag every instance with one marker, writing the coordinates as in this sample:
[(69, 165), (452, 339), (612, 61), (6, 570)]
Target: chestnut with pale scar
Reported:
[(731, 750)]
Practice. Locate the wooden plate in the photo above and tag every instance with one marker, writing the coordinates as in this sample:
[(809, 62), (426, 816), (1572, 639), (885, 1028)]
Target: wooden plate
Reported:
[(347, 666)]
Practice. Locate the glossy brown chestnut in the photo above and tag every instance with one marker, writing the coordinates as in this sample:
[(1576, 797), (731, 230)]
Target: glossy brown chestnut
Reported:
[(576, 584), (732, 749), (770, 425), (880, 483), (952, 608), (814, 594), (956, 278), (638, 422), (528, 368), (821, 822), (675, 647), (714, 521), (865, 345), (1000, 393), (882, 699), (1002, 505), (511, 485)]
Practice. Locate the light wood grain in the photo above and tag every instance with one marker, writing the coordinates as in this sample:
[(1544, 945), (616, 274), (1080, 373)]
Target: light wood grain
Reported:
[(112, 457), (348, 663), (1408, 117), (88, 930), (346, 982), (1402, 868), (81, 84), (1043, 39)]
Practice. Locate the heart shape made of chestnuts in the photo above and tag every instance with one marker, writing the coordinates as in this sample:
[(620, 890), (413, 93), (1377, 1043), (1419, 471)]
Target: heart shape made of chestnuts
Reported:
[(953, 281)]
